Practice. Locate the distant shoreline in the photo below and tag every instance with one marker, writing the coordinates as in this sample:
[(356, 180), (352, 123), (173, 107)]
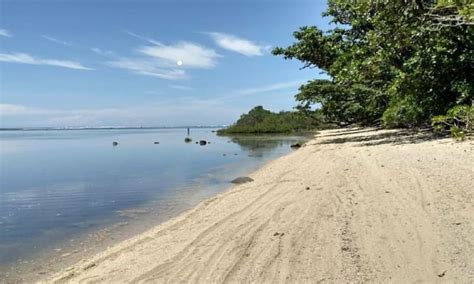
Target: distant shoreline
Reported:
[(105, 128)]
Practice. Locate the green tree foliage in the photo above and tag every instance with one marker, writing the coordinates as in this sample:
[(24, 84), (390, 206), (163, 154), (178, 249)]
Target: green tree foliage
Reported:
[(459, 120), (400, 62), (260, 120)]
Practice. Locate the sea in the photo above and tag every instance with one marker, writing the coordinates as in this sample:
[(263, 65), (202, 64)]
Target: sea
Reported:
[(61, 189)]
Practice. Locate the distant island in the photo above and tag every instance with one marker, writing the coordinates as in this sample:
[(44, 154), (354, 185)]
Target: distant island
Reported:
[(260, 121)]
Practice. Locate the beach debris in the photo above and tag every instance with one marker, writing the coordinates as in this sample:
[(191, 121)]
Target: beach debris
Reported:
[(278, 234), (89, 266), (307, 188), (156, 142), (202, 142), (295, 146), (442, 274), (188, 140), (241, 180), (115, 143)]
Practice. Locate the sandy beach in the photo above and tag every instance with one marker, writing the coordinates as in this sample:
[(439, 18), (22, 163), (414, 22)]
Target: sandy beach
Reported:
[(351, 205)]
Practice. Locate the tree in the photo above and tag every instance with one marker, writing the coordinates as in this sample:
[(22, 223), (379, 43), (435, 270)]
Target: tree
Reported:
[(260, 120), (390, 61)]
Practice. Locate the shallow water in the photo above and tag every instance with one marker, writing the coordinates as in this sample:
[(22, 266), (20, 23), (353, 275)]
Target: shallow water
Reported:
[(56, 184)]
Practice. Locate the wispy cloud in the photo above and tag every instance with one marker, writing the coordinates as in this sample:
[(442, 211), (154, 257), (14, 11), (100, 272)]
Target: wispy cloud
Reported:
[(264, 90), (55, 40), (106, 53), (5, 33), (10, 109), (144, 38), (146, 66), (176, 112), (185, 54), (24, 58), (167, 111), (166, 61), (181, 87), (271, 87), (237, 44)]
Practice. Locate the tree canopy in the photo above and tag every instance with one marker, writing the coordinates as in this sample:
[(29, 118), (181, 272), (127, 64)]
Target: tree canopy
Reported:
[(398, 62), (260, 120)]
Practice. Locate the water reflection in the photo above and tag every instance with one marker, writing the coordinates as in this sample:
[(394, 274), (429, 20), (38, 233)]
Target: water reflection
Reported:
[(258, 145), (57, 184)]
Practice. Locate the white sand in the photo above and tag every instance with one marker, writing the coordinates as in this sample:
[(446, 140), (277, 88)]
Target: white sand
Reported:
[(379, 208)]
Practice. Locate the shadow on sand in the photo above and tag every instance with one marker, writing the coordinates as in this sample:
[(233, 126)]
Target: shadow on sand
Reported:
[(396, 137)]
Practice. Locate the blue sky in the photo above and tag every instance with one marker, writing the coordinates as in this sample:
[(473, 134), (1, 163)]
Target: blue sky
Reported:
[(147, 63)]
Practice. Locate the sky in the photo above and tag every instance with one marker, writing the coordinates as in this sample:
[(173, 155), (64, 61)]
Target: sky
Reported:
[(148, 63)]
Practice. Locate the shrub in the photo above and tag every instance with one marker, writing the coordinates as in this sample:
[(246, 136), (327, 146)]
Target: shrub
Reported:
[(459, 121)]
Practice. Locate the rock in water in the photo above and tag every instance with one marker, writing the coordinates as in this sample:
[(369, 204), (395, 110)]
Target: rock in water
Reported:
[(295, 146), (202, 142), (115, 143), (241, 180)]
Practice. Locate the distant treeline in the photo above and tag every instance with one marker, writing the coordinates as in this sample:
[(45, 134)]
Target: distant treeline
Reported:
[(392, 63), (260, 120)]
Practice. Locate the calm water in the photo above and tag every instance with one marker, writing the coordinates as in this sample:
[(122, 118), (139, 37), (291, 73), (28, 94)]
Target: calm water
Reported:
[(56, 184)]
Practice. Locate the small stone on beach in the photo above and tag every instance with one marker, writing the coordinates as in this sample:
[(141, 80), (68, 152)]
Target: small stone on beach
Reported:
[(241, 180), (295, 146)]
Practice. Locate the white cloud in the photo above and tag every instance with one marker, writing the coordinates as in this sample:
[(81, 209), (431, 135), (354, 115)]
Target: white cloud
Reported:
[(167, 111), (181, 87), (191, 55), (5, 33), (55, 40), (9, 109), (28, 59), (166, 61), (176, 112), (237, 44), (150, 40), (148, 67), (106, 53)]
